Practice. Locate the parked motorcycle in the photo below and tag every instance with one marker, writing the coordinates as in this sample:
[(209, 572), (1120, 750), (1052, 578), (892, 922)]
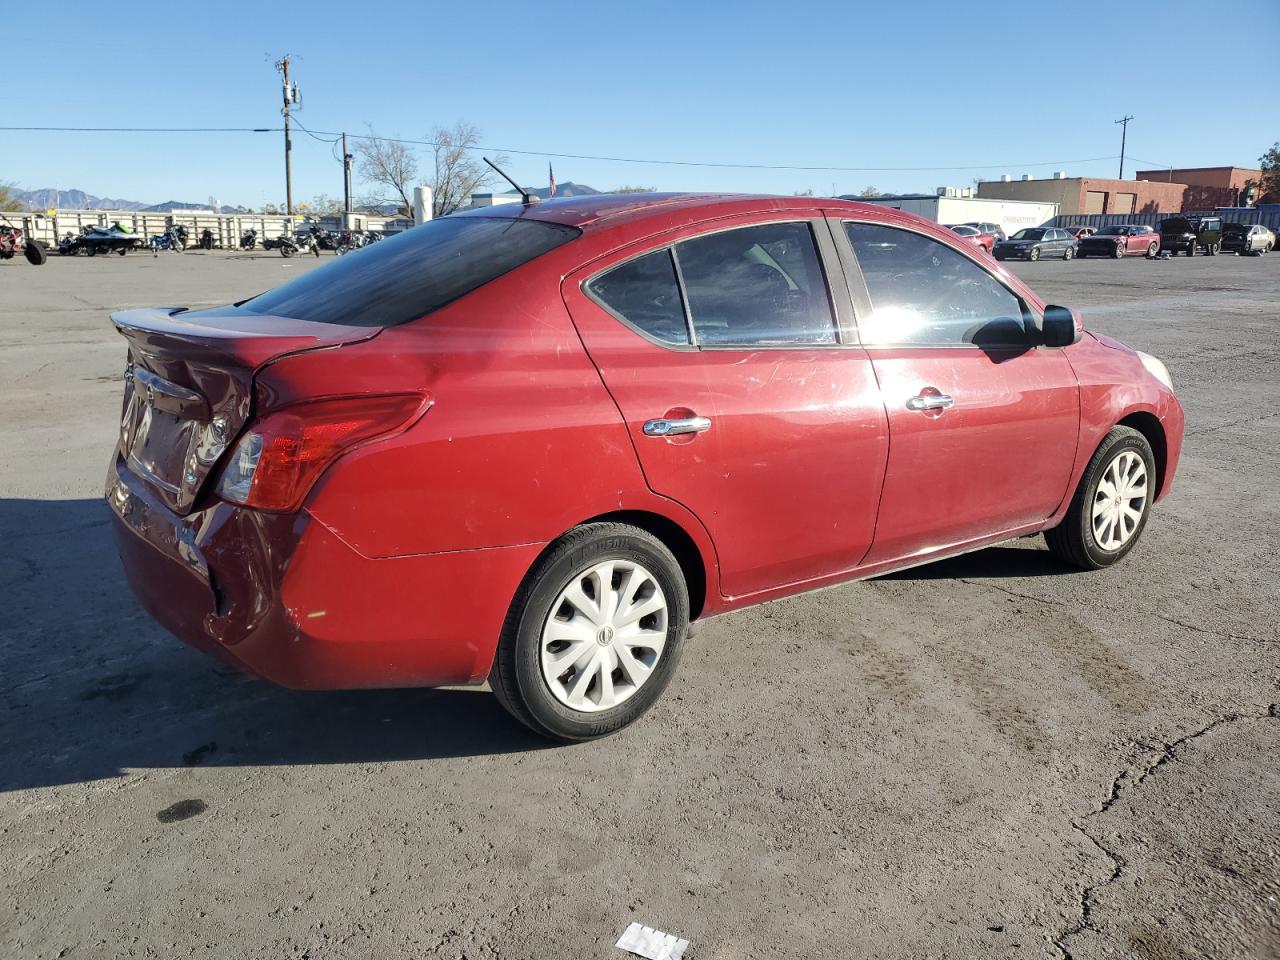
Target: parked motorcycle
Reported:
[(170, 240), (249, 239), (302, 242), (12, 239), (347, 241)]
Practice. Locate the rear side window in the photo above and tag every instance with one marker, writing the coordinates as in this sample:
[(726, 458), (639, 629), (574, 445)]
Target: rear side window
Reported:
[(644, 293), (758, 285), (923, 293), (413, 273)]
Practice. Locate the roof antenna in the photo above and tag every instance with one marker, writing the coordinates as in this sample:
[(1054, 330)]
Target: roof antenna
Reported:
[(525, 196)]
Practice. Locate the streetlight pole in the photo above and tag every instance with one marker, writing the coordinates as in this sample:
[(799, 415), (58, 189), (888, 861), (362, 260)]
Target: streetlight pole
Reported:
[(1124, 132)]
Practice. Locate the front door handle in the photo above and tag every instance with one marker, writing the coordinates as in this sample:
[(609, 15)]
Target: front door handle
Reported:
[(930, 401), (671, 428)]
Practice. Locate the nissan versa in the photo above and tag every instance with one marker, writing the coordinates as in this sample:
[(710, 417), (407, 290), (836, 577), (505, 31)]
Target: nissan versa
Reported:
[(532, 442)]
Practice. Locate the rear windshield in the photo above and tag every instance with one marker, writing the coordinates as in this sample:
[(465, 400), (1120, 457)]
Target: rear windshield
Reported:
[(411, 274)]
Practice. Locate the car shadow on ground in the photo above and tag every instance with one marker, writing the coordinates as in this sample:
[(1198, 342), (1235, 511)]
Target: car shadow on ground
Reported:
[(91, 687), (997, 562)]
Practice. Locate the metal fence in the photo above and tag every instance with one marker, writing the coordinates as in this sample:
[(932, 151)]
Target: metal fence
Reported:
[(226, 230), (1269, 218)]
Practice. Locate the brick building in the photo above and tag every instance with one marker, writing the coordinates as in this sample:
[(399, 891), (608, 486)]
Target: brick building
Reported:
[(1211, 187), (1091, 194)]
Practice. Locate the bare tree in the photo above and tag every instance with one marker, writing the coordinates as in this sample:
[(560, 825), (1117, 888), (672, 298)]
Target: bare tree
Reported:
[(389, 165), (9, 203), (459, 171), (325, 205)]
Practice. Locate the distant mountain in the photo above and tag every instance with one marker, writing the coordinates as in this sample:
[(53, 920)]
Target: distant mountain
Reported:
[(566, 189), (48, 198)]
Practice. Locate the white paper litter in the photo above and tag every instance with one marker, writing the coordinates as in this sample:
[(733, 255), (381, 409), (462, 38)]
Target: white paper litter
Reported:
[(652, 944)]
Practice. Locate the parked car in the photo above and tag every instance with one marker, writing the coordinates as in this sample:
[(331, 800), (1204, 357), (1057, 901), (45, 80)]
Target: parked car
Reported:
[(1245, 238), (1122, 240), (985, 227), (1035, 243), (518, 443), (975, 236), (1081, 232), (1191, 234)]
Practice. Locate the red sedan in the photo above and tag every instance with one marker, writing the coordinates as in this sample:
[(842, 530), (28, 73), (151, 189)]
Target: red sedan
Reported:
[(531, 443), (986, 241)]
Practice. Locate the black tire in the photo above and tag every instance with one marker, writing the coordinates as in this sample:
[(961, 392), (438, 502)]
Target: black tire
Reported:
[(34, 253), (1034, 255), (1152, 249), (286, 250), (122, 250), (1213, 249), (91, 251), (1073, 541), (1068, 254), (516, 677), (1191, 250), (1118, 252)]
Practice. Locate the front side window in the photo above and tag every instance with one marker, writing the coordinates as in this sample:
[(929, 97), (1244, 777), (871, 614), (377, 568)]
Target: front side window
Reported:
[(758, 285), (924, 293), (644, 293)]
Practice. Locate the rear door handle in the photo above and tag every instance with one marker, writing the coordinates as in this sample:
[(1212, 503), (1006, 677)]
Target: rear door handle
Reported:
[(930, 401), (671, 428)]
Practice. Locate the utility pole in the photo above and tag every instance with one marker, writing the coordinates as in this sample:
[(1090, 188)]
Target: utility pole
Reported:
[(291, 98), (1124, 132), (346, 177)]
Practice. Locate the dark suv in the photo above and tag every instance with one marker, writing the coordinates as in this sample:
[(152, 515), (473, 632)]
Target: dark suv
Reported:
[(1186, 234)]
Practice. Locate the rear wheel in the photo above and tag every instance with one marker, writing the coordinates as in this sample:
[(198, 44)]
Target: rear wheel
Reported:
[(1034, 254), (286, 250), (1068, 253), (34, 253), (1191, 250), (1118, 252), (122, 250), (594, 633), (1111, 505), (1151, 250), (1213, 249)]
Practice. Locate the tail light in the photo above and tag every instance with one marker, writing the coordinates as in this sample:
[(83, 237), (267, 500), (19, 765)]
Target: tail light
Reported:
[(281, 456)]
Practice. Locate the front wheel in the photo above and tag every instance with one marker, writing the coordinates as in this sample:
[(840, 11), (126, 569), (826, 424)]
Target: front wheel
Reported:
[(1118, 252), (286, 250), (1111, 505), (594, 633), (1213, 249)]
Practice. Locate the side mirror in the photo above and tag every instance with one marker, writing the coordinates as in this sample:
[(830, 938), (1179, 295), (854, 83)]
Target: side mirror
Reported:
[(1062, 326)]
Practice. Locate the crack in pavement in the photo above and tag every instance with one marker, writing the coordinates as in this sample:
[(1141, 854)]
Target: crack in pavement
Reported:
[(1012, 593), (1223, 634), (1125, 782)]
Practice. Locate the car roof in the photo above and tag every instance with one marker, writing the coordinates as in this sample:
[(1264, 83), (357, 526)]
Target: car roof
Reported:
[(586, 212)]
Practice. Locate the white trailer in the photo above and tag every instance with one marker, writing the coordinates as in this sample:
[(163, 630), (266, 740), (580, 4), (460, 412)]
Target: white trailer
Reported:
[(1011, 215)]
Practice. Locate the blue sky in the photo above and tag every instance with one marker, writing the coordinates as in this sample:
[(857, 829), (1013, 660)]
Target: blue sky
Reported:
[(992, 88)]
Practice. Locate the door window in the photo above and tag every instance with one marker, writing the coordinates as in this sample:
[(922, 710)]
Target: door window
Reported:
[(757, 286), (924, 293), (645, 294)]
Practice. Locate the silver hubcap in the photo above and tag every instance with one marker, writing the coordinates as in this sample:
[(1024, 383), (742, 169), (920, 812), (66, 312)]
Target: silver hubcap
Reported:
[(1119, 501), (604, 635)]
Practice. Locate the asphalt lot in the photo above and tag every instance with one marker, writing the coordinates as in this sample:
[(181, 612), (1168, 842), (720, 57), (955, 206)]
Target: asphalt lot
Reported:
[(991, 756)]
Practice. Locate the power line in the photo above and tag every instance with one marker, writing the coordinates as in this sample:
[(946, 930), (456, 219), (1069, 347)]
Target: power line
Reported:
[(320, 134)]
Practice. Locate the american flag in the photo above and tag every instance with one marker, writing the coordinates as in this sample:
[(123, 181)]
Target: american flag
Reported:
[(551, 179)]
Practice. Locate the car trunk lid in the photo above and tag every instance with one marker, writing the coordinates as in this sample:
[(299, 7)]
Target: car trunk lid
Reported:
[(189, 386)]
